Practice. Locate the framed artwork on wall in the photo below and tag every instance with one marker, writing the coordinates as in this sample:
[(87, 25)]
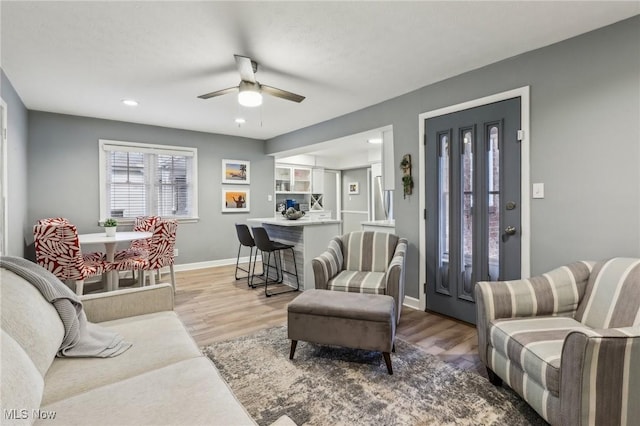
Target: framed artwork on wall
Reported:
[(235, 200), (235, 171), (354, 188)]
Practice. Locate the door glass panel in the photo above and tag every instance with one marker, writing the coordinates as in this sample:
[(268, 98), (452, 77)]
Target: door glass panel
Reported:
[(467, 209), (493, 161), (443, 198)]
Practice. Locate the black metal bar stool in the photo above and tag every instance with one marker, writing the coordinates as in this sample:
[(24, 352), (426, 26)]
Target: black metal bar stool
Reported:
[(246, 240), (268, 246)]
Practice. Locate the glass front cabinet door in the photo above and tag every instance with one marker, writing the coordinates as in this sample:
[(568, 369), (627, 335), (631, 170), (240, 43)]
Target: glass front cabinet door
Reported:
[(293, 180), (283, 179)]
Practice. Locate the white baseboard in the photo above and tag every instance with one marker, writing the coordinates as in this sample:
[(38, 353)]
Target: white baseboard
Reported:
[(210, 264), (411, 302)]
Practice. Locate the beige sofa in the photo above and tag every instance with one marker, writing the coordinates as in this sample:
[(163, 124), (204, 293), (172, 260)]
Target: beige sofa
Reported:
[(163, 379)]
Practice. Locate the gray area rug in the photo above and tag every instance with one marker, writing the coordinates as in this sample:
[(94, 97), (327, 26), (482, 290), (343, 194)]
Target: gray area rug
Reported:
[(337, 386)]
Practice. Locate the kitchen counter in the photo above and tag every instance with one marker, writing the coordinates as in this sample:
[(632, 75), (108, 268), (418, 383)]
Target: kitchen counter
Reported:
[(379, 226), (387, 223), (303, 221), (309, 236)]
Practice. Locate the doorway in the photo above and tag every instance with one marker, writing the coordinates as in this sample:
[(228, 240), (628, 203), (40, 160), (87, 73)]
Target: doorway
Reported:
[(332, 193), (473, 203), (3, 179)]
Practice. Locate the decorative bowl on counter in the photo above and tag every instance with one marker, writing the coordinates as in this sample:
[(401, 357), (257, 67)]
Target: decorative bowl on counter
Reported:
[(292, 214)]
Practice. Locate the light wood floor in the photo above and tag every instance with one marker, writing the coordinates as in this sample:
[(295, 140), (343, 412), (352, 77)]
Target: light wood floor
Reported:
[(215, 307)]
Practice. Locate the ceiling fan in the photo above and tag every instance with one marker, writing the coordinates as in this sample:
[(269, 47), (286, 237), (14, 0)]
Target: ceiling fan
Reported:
[(250, 90)]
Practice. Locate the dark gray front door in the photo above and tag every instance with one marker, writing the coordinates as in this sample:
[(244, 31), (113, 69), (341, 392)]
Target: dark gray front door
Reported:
[(473, 204)]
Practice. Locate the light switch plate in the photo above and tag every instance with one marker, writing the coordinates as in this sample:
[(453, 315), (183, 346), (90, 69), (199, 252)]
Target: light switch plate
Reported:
[(269, 197), (538, 190)]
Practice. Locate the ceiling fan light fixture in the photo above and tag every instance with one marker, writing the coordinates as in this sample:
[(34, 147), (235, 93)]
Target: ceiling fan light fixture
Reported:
[(249, 95)]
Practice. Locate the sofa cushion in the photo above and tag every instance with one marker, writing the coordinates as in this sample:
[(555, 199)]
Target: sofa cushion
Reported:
[(190, 392), (368, 251), (359, 282), (534, 345), (159, 339), (30, 320), (21, 385), (612, 298), (537, 396)]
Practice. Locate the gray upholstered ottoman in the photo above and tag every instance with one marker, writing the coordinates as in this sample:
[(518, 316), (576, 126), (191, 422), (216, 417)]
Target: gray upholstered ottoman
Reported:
[(353, 320)]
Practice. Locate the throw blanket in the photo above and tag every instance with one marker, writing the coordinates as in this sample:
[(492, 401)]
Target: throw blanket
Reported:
[(81, 337)]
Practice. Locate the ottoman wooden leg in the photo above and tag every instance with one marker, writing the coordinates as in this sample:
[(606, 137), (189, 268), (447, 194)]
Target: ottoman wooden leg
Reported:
[(294, 343), (387, 360)]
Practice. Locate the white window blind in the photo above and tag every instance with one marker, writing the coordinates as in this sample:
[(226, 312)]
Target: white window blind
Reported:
[(143, 179)]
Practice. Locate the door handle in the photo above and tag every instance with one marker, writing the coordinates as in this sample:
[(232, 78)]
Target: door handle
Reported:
[(508, 231)]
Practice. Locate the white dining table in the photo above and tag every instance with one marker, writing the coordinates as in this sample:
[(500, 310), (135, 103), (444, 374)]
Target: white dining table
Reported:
[(110, 244)]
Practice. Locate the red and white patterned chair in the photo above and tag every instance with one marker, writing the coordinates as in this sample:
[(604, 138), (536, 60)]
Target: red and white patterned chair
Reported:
[(58, 250), (53, 221), (93, 256), (160, 253), (139, 248)]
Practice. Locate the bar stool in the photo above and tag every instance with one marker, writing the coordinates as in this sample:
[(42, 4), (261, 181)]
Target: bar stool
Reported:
[(266, 245), (246, 240)]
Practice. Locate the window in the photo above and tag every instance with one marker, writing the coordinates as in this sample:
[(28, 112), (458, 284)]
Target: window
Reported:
[(142, 179)]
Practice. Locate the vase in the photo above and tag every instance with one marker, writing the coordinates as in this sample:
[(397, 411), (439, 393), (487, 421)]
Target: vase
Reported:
[(110, 231)]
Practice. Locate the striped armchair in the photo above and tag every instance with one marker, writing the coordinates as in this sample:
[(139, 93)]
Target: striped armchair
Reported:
[(568, 341), (364, 262)]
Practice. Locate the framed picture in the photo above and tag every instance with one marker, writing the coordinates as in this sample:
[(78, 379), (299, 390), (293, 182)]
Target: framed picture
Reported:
[(354, 188), (235, 200), (235, 171)]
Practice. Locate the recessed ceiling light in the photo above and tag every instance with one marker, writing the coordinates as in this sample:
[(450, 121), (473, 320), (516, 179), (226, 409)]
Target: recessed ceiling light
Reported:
[(375, 140), (130, 102), (240, 120)]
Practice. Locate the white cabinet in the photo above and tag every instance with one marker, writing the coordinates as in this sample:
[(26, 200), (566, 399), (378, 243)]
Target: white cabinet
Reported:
[(293, 180), (376, 169), (301, 180), (318, 181), (283, 179)]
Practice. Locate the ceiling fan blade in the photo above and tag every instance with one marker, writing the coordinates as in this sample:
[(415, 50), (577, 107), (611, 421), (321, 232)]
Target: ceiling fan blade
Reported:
[(246, 68), (219, 93), (279, 93)]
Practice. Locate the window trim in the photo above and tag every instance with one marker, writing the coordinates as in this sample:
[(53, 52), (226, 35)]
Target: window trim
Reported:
[(148, 148)]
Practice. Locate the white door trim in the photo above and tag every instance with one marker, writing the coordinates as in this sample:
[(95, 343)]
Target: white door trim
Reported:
[(523, 93), (4, 244)]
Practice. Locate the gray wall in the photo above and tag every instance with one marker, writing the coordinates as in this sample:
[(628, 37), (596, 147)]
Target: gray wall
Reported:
[(63, 177), (356, 202), (17, 138), (585, 143)]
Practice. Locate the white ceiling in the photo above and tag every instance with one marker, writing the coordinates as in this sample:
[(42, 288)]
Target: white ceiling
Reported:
[(82, 58)]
